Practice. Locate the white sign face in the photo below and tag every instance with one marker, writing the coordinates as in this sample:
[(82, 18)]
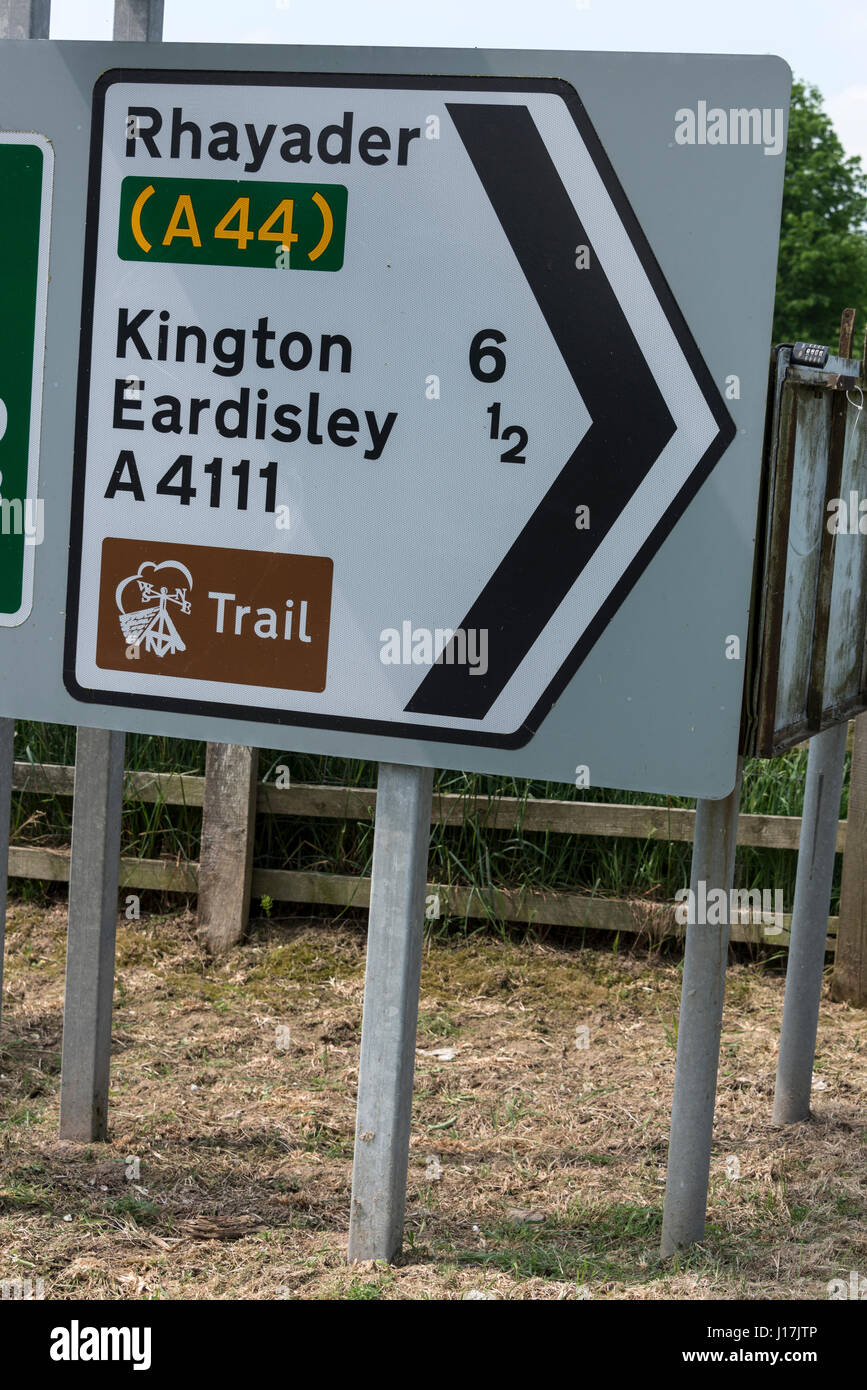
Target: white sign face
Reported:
[(384, 403)]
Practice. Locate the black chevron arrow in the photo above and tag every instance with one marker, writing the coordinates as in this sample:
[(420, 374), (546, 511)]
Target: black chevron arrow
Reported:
[(630, 422)]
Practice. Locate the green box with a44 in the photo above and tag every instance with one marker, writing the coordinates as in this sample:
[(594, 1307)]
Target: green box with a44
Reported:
[(233, 222)]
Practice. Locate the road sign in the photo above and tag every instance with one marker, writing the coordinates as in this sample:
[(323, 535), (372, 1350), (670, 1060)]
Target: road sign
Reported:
[(25, 177), (564, 402), (390, 423)]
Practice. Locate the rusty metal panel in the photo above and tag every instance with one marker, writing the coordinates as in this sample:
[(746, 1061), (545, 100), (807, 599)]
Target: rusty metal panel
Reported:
[(806, 661)]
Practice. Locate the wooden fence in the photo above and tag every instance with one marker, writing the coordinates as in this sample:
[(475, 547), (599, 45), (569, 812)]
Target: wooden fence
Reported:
[(532, 906)]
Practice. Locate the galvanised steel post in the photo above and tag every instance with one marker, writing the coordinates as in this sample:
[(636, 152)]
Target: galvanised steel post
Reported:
[(95, 857), (699, 1028), (806, 961), (388, 1030)]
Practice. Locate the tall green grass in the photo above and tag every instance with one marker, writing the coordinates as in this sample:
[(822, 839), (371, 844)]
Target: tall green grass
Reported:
[(468, 855)]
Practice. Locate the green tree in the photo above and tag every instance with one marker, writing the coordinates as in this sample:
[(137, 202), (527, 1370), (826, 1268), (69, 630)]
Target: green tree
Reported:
[(823, 243)]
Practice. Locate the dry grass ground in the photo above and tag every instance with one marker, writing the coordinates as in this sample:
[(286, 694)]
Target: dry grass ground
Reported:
[(537, 1164)]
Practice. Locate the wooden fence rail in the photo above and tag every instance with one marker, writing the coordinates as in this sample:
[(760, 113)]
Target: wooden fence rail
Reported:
[(496, 813), (532, 906), (535, 907)]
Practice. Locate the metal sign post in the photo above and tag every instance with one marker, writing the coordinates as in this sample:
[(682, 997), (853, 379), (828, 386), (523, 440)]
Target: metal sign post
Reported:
[(93, 877), (809, 934), (138, 19), (699, 1027), (95, 854), (25, 19), (388, 1029)]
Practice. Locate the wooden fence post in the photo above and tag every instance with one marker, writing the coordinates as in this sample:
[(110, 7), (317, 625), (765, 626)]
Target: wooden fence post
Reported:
[(226, 857), (7, 766), (849, 981)]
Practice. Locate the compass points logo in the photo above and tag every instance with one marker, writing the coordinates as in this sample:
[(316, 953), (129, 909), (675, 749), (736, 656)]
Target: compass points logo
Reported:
[(241, 618), (151, 624)]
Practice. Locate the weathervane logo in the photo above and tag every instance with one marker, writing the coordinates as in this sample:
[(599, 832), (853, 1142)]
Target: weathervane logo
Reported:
[(255, 618), (152, 625)]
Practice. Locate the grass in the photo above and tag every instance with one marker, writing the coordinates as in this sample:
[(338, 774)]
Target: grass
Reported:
[(468, 855), (358, 1289), (594, 1245), (536, 1167)]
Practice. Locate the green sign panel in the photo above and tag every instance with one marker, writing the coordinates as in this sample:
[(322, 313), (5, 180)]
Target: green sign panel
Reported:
[(25, 181), (294, 226)]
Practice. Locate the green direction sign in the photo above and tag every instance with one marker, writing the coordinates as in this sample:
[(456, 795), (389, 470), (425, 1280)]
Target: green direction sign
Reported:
[(25, 180)]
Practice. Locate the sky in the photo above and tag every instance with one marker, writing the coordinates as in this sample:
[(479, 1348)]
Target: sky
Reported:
[(824, 44)]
